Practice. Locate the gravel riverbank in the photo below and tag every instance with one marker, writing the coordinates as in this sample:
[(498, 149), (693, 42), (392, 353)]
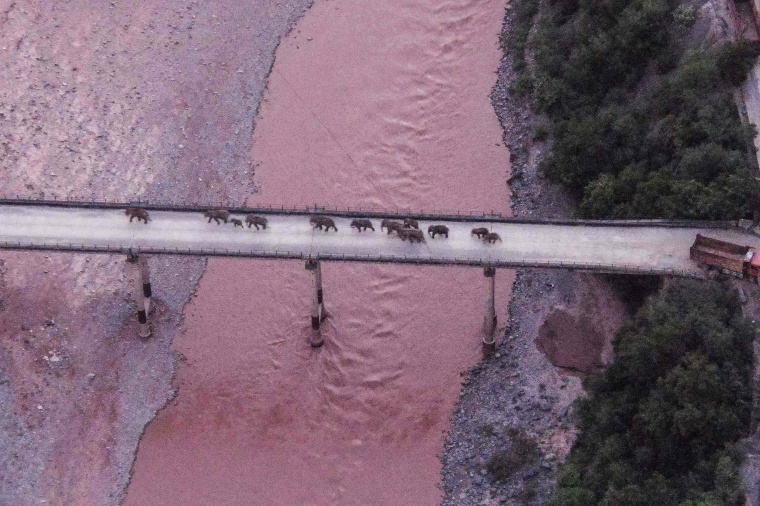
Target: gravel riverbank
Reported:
[(118, 101), (515, 410)]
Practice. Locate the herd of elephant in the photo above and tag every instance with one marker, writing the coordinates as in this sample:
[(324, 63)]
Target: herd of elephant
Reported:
[(408, 229)]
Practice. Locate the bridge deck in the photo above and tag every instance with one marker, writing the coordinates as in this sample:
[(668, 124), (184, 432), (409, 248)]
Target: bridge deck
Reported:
[(655, 249)]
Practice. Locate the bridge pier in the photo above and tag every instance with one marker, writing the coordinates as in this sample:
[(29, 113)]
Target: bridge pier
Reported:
[(142, 260), (139, 291), (318, 312), (489, 324)]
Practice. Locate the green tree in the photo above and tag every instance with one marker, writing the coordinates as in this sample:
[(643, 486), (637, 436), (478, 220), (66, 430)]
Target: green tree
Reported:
[(658, 427), (679, 131), (736, 59)]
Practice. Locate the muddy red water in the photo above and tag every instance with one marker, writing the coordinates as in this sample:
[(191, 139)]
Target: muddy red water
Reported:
[(381, 104)]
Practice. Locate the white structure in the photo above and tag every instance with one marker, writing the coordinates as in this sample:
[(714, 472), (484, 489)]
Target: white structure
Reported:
[(489, 324), (317, 306), (611, 246), (629, 247), (142, 300)]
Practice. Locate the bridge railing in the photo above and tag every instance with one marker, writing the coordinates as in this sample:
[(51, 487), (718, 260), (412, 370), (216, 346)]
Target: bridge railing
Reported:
[(361, 211), (293, 255)]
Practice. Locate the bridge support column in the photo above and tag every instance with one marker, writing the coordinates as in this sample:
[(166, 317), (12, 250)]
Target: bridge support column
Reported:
[(489, 323), (141, 301), (142, 260), (317, 307)]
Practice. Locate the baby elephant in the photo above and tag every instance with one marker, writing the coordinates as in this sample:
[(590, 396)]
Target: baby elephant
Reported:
[(391, 226), (216, 215), (412, 234), (322, 221), (236, 222), (362, 224), (136, 212), (480, 232), (256, 221), (408, 222), (434, 230), (491, 238)]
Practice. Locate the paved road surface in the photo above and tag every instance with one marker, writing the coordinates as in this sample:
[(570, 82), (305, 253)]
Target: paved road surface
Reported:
[(655, 249)]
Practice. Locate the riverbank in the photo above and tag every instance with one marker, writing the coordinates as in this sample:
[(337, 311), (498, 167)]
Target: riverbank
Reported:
[(111, 101), (518, 394)]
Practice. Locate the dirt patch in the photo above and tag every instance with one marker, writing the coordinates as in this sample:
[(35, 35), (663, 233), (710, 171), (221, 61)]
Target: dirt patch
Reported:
[(571, 342), (578, 336)]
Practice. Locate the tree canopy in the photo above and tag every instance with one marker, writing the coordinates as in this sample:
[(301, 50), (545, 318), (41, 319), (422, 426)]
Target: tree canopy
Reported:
[(659, 426), (643, 126)]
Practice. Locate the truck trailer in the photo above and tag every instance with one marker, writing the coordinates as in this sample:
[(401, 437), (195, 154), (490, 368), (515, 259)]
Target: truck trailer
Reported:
[(729, 258)]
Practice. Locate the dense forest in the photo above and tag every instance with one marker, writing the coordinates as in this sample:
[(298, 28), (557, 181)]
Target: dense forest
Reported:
[(644, 120), (644, 124), (660, 425)]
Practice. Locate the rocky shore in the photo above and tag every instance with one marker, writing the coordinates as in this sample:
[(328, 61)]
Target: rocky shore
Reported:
[(514, 422)]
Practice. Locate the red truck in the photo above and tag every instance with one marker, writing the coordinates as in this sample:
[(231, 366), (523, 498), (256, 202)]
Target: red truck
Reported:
[(739, 261)]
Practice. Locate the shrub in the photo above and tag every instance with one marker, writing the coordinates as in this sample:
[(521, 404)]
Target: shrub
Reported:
[(527, 493), (684, 16), (523, 452), (486, 430), (540, 133), (516, 41), (735, 60), (522, 86)]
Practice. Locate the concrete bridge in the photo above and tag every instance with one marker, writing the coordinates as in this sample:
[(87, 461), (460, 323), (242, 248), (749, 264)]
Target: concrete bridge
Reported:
[(646, 247)]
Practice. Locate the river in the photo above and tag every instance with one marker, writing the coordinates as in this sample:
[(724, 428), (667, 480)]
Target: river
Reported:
[(372, 104)]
